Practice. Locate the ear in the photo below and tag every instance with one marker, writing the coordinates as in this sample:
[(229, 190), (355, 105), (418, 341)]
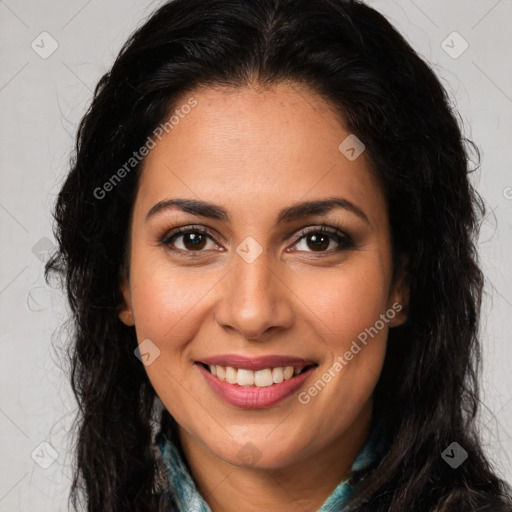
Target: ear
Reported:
[(125, 309), (398, 300)]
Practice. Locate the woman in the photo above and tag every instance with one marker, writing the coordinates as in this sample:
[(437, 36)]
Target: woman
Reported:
[(267, 237)]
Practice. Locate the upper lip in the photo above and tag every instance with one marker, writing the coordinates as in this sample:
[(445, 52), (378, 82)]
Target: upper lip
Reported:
[(255, 363)]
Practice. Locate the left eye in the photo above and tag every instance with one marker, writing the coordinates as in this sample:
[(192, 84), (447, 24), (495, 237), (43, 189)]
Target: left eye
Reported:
[(320, 240)]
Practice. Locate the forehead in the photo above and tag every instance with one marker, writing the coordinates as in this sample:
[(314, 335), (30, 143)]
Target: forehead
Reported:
[(256, 149)]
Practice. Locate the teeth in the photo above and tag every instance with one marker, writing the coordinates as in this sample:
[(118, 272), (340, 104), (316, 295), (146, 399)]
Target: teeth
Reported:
[(231, 375), (245, 377), (260, 378), (288, 372), (221, 372), (263, 378), (277, 375)]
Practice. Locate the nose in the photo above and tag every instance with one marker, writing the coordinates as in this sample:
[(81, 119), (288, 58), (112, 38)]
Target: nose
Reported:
[(254, 300)]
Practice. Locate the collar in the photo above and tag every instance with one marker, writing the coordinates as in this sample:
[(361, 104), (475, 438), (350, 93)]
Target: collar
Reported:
[(188, 499)]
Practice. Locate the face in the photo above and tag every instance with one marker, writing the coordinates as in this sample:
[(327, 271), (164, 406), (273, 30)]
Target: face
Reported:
[(253, 277)]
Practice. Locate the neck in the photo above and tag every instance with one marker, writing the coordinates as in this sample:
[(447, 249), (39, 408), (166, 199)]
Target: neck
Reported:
[(231, 488)]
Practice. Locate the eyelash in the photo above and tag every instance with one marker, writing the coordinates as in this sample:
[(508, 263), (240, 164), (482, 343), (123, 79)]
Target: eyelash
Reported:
[(346, 242)]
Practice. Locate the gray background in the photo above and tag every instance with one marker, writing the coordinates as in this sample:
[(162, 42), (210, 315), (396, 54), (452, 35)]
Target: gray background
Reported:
[(41, 103)]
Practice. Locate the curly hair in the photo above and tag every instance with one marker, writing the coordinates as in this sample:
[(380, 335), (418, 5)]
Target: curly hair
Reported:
[(351, 56)]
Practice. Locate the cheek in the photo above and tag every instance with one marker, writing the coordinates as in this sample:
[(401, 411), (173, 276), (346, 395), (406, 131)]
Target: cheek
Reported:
[(165, 302), (163, 299), (342, 302), (344, 310)]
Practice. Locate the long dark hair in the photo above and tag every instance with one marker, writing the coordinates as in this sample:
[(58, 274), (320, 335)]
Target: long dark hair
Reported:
[(389, 97)]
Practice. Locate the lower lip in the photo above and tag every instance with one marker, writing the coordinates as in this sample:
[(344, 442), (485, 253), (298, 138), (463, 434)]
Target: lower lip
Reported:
[(252, 397)]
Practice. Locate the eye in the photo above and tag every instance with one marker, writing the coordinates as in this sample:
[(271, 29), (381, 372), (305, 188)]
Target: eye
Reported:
[(194, 239), (320, 240)]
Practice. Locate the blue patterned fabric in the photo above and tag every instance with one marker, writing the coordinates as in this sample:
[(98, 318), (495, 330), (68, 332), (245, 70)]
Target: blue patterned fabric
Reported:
[(188, 498)]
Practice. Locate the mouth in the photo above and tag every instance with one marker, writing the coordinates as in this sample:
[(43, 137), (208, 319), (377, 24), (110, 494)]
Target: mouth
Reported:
[(256, 389), (262, 378)]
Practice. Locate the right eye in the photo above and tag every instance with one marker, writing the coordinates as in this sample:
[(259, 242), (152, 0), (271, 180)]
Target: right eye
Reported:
[(194, 239)]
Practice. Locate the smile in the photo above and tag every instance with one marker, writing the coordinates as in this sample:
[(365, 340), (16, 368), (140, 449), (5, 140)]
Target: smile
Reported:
[(263, 391), (259, 378)]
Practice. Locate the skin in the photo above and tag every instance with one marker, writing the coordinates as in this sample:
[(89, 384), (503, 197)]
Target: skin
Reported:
[(255, 152)]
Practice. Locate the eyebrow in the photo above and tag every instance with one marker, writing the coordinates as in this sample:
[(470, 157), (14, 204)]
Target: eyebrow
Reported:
[(288, 214)]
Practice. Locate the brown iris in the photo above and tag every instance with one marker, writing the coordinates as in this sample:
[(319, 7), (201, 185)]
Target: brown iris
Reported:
[(319, 241), (196, 240)]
